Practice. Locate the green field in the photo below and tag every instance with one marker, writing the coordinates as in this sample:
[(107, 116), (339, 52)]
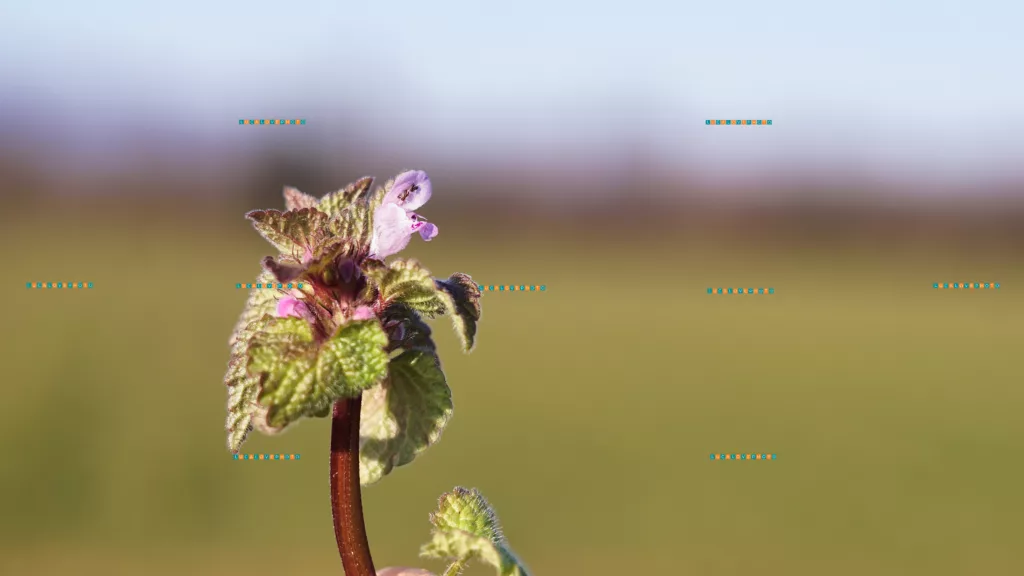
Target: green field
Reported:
[(587, 413)]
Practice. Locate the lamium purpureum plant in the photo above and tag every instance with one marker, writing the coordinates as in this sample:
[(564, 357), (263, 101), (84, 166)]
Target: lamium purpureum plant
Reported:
[(341, 332)]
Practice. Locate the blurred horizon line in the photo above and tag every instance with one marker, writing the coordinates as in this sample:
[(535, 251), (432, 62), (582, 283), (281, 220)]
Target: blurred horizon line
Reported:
[(581, 179), (805, 217), (587, 144)]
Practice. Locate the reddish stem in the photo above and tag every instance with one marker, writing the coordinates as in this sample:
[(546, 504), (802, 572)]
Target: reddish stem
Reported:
[(346, 497)]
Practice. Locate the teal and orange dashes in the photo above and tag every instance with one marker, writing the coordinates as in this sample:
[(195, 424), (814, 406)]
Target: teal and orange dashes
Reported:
[(511, 288), (269, 285), (483, 288), (741, 290), (266, 456), (85, 285), (743, 456), (966, 285), (272, 122), (737, 122)]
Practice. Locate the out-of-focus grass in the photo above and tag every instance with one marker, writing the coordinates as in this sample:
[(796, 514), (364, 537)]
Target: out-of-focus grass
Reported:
[(586, 414)]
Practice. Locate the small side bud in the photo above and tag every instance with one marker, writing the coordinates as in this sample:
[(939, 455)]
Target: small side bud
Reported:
[(466, 529), (467, 510)]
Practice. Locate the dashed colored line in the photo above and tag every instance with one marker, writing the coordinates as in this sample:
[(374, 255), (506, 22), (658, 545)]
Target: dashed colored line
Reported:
[(268, 285), (482, 287), (271, 122), (266, 456), (85, 285), (743, 456), (511, 288), (966, 285), (737, 122), (741, 290)]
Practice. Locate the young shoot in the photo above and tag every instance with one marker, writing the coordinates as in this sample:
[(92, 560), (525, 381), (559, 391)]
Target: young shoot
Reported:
[(341, 332)]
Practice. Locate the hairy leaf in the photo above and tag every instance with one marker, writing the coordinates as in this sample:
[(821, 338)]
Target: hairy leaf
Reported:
[(466, 528), (334, 244), (282, 356), (260, 303), (357, 228), (242, 405), (354, 359), (295, 200), (465, 308), (290, 232), (356, 192), (403, 415), (300, 378), (463, 547), (243, 387), (351, 211), (323, 256), (408, 282)]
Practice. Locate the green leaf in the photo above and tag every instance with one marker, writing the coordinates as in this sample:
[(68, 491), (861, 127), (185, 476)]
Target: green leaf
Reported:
[(462, 547), (286, 268), (409, 283), (466, 528), (464, 306), (282, 356), (290, 232), (403, 415), (356, 192), (295, 200), (242, 387), (351, 208), (356, 226), (354, 359), (242, 405), (299, 378), (260, 303)]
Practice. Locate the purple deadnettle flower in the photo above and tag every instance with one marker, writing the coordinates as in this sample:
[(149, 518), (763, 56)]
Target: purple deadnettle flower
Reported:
[(291, 307), (394, 222), (363, 313), (410, 191)]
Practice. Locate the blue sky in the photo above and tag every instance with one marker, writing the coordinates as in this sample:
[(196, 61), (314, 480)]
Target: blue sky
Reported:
[(905, 85)]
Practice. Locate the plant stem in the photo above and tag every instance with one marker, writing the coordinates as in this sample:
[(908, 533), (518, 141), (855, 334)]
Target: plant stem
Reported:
[(346, 497), (455, 569)]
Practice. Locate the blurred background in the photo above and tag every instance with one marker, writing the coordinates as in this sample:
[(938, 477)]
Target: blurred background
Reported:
[(567, 147)]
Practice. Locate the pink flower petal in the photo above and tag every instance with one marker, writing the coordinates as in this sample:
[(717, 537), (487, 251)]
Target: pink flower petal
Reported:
[(411, 190), (428, 231), (363, 313), (290, 307), (392, 230)]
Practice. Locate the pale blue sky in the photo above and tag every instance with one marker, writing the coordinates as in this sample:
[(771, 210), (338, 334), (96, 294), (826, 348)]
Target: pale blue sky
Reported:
[(895, 85)]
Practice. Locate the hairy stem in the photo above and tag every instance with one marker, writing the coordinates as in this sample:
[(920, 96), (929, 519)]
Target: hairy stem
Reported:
[(456, 568), (346, 497)]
